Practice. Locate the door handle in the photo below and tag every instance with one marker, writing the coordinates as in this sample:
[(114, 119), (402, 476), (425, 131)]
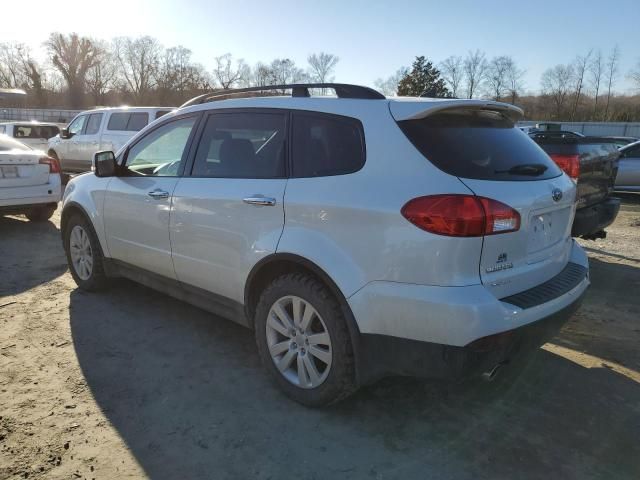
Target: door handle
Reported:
[(158, 194), (260, 200)]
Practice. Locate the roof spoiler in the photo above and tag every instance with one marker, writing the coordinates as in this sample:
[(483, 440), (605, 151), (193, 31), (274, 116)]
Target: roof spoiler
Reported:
[(408, 110)]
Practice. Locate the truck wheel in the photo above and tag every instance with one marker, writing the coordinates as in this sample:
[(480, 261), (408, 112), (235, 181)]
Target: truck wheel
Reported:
[(40, 214), (303, 340), (84, 255)]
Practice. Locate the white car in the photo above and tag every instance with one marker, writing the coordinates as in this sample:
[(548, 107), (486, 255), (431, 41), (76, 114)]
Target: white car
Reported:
[(99, 129), (34, 134), (30, 182), (359, 236)]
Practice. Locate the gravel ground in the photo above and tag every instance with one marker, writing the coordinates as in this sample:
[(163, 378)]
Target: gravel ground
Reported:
[(132, 384)]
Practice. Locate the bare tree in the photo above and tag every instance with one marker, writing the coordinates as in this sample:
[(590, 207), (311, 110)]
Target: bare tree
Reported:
[(138, 60), (321, 66), (634, 75), (556, 84), (73, 56), (226, 74), (580, 66), (496, 76), (102, 77), (515, 83), (474, 67), (389, 86), (453, 73), (262, 75), (286, 71), (612, 73), (596, 70), (12, 71)]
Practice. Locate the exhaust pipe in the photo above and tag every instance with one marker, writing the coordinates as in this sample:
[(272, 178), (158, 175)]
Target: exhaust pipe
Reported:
[(490, 375)]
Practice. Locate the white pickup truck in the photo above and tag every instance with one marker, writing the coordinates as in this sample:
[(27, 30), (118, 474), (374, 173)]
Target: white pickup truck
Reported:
[(99, 129)]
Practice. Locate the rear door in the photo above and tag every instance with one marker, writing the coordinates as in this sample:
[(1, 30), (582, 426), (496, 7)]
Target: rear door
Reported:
[(498, 161), (229, 213)]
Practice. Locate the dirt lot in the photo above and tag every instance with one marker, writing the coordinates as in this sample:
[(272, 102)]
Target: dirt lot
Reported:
[(131, 384)]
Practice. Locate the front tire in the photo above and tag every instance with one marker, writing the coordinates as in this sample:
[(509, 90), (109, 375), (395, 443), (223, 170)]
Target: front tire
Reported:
[(84, 255), (303, 340)]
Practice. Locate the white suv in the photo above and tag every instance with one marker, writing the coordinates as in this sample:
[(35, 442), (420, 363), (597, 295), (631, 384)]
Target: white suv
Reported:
[(359, 236), (99, 129)]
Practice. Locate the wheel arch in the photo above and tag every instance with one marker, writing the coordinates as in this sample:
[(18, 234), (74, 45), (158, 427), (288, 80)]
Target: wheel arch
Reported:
[(278, 264), (71, 208)]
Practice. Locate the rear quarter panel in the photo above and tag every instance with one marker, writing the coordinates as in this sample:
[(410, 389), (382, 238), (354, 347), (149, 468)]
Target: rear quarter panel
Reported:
[(351, 225)]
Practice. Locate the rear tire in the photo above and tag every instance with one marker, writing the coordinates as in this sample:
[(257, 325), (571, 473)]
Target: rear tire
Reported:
[(311, 344), (84, 255), (40, 214)]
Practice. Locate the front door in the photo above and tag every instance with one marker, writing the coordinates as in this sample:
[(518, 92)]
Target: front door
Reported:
[(67, 148), (138, 203), (629, 168), (229, 213)]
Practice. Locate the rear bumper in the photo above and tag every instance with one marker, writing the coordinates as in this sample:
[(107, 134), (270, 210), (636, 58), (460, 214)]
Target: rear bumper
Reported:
[(429, 331), (595, 218), (382, 355)]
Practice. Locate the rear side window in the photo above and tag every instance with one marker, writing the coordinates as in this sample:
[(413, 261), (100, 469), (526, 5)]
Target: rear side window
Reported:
[(160, 113), (325, 145), (35, 131), (242, 145), (128, 121), (93, 124), (479, 144)]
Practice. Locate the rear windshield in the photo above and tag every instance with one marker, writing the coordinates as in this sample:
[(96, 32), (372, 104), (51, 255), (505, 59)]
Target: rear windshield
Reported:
[(8, 143), (479, 144)]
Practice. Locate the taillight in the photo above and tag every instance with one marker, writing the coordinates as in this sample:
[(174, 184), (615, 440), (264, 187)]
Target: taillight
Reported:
[(54, 165), (570, 164), (461, 215)]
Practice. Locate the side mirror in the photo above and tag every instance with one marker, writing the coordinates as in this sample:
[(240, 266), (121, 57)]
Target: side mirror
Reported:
[(64, 133), (104, 164)]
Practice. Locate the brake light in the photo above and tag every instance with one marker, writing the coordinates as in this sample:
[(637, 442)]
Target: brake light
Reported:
[(54, 165), (461, 215), (570, 164)]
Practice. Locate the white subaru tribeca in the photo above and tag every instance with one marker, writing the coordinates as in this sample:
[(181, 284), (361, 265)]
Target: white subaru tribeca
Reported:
[(358, 236)]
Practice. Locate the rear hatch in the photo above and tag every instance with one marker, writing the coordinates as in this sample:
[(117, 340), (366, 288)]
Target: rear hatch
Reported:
[(479, 143), (22, 168), (598, 159)]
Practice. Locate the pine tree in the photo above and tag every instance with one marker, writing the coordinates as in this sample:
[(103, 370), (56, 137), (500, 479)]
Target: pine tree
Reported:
[(423, 80)]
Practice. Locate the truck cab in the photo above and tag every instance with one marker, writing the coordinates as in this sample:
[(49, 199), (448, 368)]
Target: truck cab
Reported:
[(99, 129)]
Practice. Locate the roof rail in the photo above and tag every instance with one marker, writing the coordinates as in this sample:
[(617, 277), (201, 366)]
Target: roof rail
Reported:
[(343, 90)]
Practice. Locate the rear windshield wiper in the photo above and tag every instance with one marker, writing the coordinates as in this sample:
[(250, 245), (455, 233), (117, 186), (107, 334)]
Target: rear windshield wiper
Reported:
[(532, 169)]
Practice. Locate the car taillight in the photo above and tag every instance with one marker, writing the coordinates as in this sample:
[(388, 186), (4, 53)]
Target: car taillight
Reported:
[(461, 215), (54, 165), (570, 164)]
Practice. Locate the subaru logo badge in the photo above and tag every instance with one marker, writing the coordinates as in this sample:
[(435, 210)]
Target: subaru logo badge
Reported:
[(556, 194)]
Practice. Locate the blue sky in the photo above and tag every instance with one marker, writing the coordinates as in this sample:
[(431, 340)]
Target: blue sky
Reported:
[(372, 38)]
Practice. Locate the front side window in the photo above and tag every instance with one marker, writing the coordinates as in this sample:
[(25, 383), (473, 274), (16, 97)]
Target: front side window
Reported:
[(325, 145), (76, 126), (93, 125), (161, 152), (242, 145)]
